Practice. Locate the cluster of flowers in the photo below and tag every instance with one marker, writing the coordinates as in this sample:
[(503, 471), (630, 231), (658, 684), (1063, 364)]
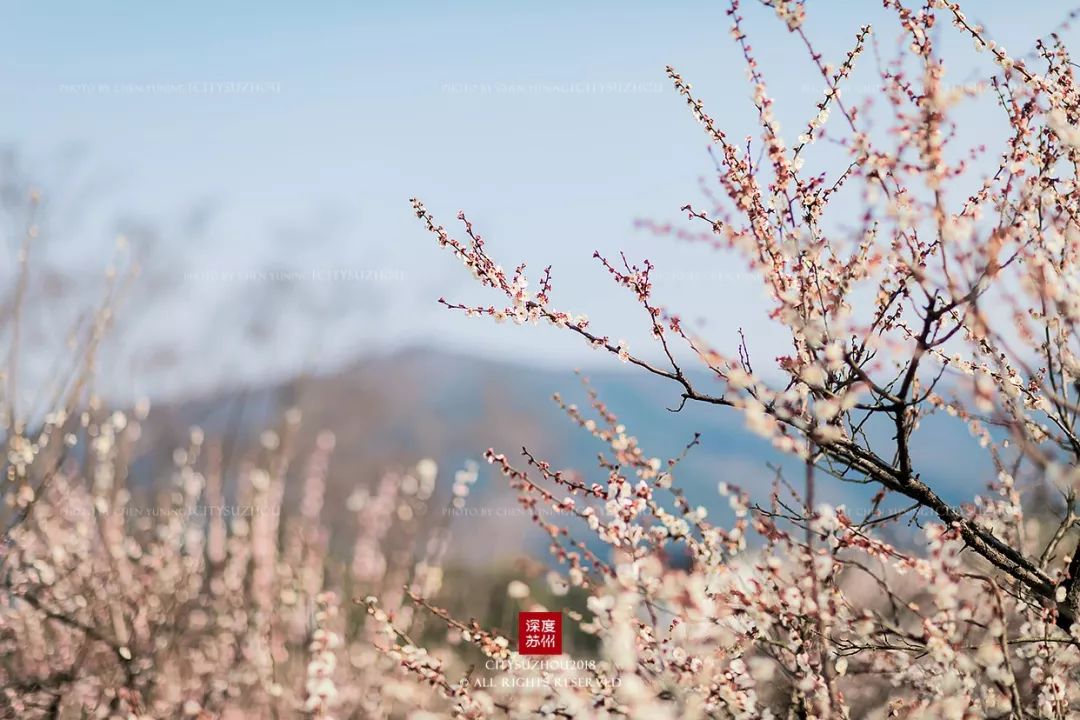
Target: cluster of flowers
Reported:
[(830, 621), (108, 613)]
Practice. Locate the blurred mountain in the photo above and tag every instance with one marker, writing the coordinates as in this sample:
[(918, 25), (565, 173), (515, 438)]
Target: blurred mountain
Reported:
[(389, 411)]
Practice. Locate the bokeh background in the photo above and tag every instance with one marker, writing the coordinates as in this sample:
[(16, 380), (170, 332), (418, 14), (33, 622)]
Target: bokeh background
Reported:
[(257, 160)]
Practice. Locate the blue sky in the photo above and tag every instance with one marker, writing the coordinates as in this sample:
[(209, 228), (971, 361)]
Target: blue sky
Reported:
[(551, 124)]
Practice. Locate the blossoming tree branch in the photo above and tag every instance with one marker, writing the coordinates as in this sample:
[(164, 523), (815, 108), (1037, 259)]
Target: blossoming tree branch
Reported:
[(955, 291)]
